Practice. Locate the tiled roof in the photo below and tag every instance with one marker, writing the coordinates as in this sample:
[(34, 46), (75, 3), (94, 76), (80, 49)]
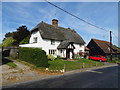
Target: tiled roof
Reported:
[(86, 48), (104, 45)]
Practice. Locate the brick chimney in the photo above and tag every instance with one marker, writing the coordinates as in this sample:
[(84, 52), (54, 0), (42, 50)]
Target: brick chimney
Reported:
[(68, 28), (55, 22)]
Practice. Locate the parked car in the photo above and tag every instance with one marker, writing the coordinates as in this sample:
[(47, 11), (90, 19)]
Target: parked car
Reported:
[(97, 58)]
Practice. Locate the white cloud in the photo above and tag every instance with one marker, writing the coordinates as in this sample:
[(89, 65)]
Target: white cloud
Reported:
[(42, 14), (1, 37)]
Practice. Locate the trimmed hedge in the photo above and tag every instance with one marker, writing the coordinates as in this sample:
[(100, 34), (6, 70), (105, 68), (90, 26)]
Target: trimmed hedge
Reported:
[(34, 56)]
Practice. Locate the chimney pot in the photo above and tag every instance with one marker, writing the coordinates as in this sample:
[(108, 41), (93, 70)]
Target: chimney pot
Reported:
[(55, 22), (68, 28)]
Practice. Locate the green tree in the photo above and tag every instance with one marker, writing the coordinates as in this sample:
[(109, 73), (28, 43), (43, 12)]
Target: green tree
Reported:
[(8, 35), (25, 40), (21, 33), (8, 42)]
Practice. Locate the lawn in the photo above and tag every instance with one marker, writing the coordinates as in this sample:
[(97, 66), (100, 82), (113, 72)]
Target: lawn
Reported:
[(60, 64), (72, 65), (12, 65)]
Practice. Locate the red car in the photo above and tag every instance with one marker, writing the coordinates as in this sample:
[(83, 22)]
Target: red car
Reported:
[(98, 58)]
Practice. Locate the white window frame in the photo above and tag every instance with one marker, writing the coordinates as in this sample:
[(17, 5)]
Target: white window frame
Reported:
[(52, 51)]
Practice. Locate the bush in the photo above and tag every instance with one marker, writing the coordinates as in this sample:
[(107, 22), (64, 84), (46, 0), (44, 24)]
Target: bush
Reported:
[(51, 57), (76, 56), (34, 56), (8, 42), (57, 58), (114, 60), (25, 40)]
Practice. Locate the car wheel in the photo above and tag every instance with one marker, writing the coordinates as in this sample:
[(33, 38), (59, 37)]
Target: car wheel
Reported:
[(100, 60)]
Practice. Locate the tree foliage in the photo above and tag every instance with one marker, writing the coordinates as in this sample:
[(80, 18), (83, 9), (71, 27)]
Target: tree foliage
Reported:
[(25, 40), (8, 35), (8, 42), (20, 34)]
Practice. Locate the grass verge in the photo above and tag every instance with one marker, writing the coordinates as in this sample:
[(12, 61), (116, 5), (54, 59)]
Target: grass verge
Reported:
[(60, 64), (9, 63), (72, 65), (12, 65)]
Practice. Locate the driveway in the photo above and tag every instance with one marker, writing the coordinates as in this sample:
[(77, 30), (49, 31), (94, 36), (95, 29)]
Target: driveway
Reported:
[(19, 74)]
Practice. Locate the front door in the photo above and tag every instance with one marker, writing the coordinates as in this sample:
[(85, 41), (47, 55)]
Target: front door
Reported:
[(69, 54)]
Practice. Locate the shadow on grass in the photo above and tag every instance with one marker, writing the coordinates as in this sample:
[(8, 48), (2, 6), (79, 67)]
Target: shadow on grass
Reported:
[(5, 60)]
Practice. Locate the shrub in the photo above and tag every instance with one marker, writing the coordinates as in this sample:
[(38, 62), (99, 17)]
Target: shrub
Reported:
[(8, 42), (114, 60), (76, 56), (34, 56), (51, 57), (25, 40), (57, 58)]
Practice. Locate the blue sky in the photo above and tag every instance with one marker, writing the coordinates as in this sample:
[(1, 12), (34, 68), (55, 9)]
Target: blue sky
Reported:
[(102, 14)]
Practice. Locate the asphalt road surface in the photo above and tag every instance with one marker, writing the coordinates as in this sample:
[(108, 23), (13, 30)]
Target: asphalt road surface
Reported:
[(99, 78)]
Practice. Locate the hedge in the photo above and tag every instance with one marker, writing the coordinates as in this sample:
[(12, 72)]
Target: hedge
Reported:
[(34, 56)]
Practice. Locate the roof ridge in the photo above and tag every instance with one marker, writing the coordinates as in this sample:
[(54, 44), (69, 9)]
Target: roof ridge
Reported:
[(101, 40), (59, 27)]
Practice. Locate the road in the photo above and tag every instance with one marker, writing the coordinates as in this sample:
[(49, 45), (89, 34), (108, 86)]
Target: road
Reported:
[(99, 78)]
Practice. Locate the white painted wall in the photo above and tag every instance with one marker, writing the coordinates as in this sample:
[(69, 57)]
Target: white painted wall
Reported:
[(31, 44), (45, 44), (63, 54), (78, 47)]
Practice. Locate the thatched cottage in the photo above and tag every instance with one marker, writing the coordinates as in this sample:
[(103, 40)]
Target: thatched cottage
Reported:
[(56, 40)]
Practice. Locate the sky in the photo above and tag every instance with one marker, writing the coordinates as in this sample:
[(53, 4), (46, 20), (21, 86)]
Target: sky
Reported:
[(102, 14)]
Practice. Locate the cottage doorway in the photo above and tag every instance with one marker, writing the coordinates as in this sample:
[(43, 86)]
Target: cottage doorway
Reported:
[(69, 53)]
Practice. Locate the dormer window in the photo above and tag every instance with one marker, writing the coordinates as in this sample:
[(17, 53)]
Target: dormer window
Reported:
[(52, 42), (35, 40)]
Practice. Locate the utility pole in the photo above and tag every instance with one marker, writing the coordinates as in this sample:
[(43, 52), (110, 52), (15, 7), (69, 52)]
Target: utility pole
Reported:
[(111, 45)]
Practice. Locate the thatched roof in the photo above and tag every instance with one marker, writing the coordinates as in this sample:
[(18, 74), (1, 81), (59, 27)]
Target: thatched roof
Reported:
[(48, 31), (63, 44)]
